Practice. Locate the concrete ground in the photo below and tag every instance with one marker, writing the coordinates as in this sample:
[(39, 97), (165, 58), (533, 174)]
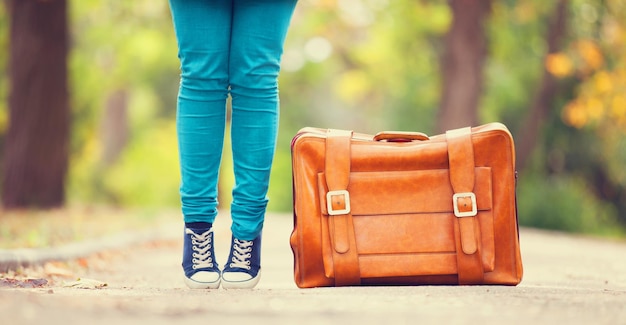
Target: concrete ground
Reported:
[(568, 280)]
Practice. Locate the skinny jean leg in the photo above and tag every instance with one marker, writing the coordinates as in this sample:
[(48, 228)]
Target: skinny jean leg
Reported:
[(203, 30), (258, 33)]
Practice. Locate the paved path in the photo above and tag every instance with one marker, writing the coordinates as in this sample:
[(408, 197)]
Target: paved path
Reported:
[(567, 280)]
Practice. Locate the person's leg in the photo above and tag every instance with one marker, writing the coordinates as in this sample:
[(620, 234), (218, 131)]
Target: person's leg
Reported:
[(259, 31), (258, 34), (203, 33)]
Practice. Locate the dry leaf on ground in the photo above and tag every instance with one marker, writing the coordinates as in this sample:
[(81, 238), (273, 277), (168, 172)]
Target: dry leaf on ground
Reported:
[(85, 284), (27, 283)]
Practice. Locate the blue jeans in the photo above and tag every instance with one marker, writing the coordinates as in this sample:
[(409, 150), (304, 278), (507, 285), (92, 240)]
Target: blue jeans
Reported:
[(228, 47)]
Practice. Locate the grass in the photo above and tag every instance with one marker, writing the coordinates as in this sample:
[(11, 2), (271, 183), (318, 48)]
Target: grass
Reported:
[(51, 228)]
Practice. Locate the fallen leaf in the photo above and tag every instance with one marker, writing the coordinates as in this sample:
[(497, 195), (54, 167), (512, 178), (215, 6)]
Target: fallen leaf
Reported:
[(83, 262), (85, 284), (28, 283)]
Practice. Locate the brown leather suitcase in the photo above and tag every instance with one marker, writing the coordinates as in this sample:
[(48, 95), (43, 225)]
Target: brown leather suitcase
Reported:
[(403, 208)]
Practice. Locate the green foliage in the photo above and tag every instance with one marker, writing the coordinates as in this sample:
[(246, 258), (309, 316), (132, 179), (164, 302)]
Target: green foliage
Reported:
[(280, 193), (128, 47), (564, 203), (366, 65), (147, 174), (367, 69), (514, 66)]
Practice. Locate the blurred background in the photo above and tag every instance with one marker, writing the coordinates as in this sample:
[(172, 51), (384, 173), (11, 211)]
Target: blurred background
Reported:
[(88, 96)]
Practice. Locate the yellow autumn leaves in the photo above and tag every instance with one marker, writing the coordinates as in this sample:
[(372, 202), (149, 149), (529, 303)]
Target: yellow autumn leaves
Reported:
[(582, 58), (601, 97), (559, 64)]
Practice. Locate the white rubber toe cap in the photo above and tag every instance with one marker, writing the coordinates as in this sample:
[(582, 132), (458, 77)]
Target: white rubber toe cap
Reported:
[(239, 280), (203, 280)]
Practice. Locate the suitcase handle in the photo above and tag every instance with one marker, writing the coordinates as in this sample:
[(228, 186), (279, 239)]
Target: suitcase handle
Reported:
[(400, 136)]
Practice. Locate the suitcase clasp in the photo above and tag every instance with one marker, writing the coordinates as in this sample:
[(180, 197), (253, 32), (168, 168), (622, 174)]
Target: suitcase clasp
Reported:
[(338, 202), (467, 201)]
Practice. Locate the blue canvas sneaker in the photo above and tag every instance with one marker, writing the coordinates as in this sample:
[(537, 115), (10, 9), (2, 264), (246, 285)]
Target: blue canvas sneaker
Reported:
[(201, 270), (243, 268)]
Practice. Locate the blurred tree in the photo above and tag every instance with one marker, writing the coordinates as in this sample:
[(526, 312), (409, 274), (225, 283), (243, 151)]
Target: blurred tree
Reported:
[(367, 65), (4, 40), (36, 144), (593, 140), (115, 127), (462, 64), (125, 76), (548, 87)]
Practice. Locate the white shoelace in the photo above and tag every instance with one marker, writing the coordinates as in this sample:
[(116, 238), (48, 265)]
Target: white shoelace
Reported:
[(201, 245), (241, 254)]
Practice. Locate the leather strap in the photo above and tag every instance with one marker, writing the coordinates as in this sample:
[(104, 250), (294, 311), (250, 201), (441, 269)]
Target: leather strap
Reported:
[(466, 228), (337, 171)]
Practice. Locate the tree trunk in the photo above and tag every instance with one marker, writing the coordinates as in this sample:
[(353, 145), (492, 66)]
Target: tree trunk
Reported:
[(529, 133), (115, 128), (462, 64), (37, 141)]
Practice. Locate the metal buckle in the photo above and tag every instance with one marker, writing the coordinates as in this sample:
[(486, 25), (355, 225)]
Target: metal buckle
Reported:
[(329, 202), (455, 203)]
